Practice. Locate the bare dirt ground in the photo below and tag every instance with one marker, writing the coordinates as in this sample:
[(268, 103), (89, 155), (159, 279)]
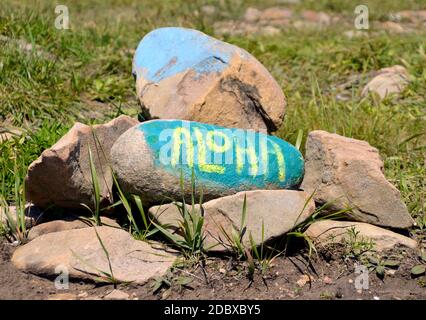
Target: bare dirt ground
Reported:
[(292, 277)]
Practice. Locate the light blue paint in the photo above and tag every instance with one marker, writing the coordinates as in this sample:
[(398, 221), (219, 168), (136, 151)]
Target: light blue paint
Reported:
[(159, 137), (165, 52)]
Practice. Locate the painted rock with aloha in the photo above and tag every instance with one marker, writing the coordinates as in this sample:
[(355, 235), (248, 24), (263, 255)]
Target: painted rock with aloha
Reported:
[(152, 158), (185, 74)]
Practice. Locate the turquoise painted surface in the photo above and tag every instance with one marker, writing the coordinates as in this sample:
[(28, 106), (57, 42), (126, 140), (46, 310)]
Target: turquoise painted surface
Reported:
[(165, 52), (223, 157)]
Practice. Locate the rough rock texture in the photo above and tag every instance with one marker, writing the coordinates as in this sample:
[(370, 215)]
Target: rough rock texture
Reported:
[(415, 16), (81, 253), (316, 17), (69, 224), (117, 295), (61, 175), (327, 231), (252, 14), (149, 158), (278, 210), (349, 173), (391, 27), (274, 13), (388, 81), (185, 74), (274, 20), (33, 215)]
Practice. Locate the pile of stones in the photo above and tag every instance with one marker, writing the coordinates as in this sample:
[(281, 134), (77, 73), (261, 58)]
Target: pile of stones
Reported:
[(212, 107), (273, 20)]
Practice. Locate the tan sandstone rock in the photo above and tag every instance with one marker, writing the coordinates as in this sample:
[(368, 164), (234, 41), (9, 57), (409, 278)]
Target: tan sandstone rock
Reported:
[(388, 81), (278, 210), (276, 13), (348, 173), (117, 295), (62, 225), (61, 175), (80, 252), (252, 14), (329, 231)]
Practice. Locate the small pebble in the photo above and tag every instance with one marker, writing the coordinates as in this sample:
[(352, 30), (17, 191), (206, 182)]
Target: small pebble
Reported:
[(117, 295), (327, 280)]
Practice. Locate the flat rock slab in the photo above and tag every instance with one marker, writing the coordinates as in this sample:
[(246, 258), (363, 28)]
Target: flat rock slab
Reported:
[(80, 252), (186, 74), (388, 81), (329, 231), (62, 225), (278, 210), (149, 158), (62, 176), (348, 173)]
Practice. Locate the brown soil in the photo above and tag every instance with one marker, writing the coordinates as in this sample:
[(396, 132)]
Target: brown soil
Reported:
[(331, 277)]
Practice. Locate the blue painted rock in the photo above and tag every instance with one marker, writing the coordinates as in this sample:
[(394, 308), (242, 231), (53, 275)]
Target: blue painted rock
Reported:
[(185, 74), (150, 158)]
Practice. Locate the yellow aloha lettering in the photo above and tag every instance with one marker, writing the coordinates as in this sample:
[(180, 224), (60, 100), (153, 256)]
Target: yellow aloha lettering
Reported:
[(178, 142), (202, 165), (264, 155), (280, 160), (240, 157), (213, 146)]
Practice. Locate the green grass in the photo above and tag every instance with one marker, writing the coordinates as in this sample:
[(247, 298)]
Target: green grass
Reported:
[(242, 246), (189, 236), (96, 191), (90, 77), (14, 225)]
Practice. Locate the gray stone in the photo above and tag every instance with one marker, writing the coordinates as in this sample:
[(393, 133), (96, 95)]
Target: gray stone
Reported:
[(348, 173)]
